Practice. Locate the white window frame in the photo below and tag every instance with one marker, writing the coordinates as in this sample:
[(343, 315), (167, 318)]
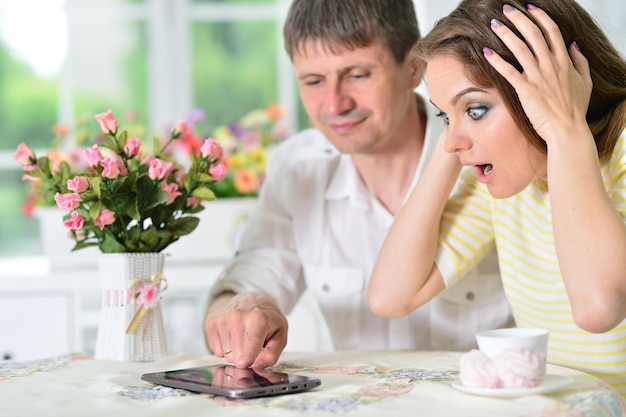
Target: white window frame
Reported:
[(168, 26)]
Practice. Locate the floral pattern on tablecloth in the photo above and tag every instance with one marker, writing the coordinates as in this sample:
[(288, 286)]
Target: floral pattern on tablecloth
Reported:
[(13, 369), (155, 392), (605, 401), (387, 383)]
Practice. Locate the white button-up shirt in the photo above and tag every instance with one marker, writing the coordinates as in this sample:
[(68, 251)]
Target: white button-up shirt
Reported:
[(318, 227)]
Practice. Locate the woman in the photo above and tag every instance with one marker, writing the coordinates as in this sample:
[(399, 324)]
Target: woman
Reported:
[(534, 102)]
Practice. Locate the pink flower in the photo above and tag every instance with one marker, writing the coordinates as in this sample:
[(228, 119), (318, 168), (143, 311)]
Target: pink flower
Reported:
[(77, 159), (172, 191), (218, 171), (120, 164), (93, 155), (75, 222), (132, 146), (246, 181), (107, 121), (24, 155), (61, 130), (251, 140), (180, 127), (26, 177), (111, 169), (159, 169), (105, 217), (56, 157), (212, 149), (28, 207), (78, 184), (193, 202), (67, 201), (131, 114), (148, 296), (179, 175), (187, 139)]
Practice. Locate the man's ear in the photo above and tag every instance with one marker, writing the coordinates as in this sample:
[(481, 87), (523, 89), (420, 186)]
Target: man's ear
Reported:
[(416, 66)]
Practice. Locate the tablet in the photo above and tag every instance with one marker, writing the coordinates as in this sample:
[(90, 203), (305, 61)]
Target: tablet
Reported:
[(229, 381)]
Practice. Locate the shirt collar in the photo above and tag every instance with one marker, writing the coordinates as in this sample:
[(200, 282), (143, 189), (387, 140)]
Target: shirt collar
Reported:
[(346, 183)]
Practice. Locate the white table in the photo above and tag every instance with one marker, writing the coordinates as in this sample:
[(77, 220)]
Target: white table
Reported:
[(353, 384)]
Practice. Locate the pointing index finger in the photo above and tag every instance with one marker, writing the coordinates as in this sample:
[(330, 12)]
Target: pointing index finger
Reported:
[(253, 342)]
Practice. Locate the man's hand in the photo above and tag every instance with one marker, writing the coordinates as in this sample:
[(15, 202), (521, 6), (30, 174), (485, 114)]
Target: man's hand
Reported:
[(248, 330)]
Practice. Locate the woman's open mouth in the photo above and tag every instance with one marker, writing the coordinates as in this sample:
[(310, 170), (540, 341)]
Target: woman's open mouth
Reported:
[(484, 171)]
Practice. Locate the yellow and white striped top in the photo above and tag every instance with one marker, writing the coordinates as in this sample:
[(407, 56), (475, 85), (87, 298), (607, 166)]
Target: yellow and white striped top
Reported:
[(522, 229)]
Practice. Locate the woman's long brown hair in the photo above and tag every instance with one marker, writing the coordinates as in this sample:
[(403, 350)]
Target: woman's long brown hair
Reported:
[(465, 32)]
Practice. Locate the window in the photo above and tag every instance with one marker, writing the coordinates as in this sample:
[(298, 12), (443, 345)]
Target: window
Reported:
[(155, 59)]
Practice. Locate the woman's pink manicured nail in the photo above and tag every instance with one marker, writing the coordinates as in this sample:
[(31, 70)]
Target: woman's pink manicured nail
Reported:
[(487, 51), (530, 6)]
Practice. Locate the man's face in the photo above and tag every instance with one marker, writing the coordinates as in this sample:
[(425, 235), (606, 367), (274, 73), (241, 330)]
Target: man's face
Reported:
[(358, 98)]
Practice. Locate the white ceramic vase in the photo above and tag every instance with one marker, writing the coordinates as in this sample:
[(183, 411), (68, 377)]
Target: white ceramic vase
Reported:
[(130, 328)]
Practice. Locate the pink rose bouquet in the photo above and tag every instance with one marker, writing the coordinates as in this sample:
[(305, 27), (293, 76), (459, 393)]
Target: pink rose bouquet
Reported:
[(123, 199)]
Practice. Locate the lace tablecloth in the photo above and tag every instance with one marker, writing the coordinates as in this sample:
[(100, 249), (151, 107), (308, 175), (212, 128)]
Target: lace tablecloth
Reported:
[(353, 384)]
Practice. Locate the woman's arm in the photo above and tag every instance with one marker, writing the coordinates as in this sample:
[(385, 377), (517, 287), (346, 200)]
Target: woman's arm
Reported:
[(589, 233), (405, 275)]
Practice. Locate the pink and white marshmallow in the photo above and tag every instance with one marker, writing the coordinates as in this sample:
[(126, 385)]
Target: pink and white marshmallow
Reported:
[(478, 370)]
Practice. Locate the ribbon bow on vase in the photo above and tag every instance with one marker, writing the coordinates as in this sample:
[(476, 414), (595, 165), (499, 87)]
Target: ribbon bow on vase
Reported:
[(147, 295)]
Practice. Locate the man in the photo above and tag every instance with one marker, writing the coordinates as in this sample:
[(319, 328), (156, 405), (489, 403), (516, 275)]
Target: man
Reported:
[(331, 194)]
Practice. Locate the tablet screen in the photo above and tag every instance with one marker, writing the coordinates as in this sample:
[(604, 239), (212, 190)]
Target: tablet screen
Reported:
[(230, 381)]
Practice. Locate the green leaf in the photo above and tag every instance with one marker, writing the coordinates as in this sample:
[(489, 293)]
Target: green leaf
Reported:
[(65, 171), (156, 146), (95, 183), (94, 209), (149, 239), (203, 194), (121, 141), (150, 194), (37, 174), (84, 244), (184, 225), (110, 142), (205, 178), (110, 244)]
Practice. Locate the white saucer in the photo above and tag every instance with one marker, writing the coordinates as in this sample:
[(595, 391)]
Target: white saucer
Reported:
[(550, 383)]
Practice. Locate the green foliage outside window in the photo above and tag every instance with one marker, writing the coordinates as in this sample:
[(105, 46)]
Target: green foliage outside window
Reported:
[(234, 69)]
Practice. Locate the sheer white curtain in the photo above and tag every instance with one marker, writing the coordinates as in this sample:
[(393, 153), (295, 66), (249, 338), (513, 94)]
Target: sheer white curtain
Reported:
[(611, 15)]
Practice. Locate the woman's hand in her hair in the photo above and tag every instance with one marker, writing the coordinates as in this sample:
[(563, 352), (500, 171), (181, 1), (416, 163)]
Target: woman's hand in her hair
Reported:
[(555, 85)]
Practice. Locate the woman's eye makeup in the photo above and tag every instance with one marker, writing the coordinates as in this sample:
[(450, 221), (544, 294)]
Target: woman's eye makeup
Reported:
[(444, 118), (476, 112)]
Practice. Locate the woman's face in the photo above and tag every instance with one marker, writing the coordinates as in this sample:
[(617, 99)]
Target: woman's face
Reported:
[(481, 131)]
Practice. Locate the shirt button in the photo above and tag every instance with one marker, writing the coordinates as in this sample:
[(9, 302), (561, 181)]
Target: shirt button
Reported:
[(325, 287), (469, 296)]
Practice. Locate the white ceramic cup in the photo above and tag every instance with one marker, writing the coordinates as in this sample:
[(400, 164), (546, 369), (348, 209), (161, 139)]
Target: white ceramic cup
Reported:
[(494, 342)]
